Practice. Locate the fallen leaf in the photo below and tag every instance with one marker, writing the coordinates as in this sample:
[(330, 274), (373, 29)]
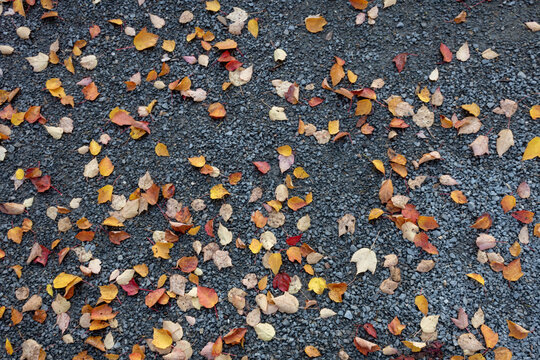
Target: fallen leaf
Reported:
[(532, 150), (365, 260), (490, 337), (477, 277), (315, 23), (422, 304), (144, 40), (517, 331)]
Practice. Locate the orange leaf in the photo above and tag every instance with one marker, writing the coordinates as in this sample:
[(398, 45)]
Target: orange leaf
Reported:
[(259, 219), (363, 107), (262, 166), (477, 277), (508, 202), (16, 316), (336, 291), (364, 346), (523, 216), (235, 178), (235, 336), (396, 327), (490, 337), (312, 351), (427, 223), (217, 111), (152, 194), (458, 197), (144, 40), (187, 264), (207, 297), (336, 74), (512, 271), (90, 91), (517, 331), (295, 203), (294, 254), (502, 353), (515, 249), (386, 191), (359, 4), (315, 23), (198, 161), (483, 222), (96, 342), (153, 296)]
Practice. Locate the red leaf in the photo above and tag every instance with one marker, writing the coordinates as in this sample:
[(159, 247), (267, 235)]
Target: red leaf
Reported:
[(524, 216), (121, 118), (42, 184), (290, 94), (131, 288), (410, 213), (293, 240), (233, 65), (370, 329), (225, 57), (369, 93), (209, 227), (421, 241), (400, 61), (281, 281), (446, 53), (187, 264), (44, 256), (153, 296), (262, 166), (314, 101)]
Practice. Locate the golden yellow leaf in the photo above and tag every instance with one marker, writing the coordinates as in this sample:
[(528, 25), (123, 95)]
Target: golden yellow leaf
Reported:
[(19, 174), (535, 112), (226, 45), (315, 23), (112, 221), (255, 246), (161, 250), (309, 269), (508, 202), (515, 249), (168, 45), (333, 127), (218, 192), (300, 173), (141, 269), (108, 292), (532, 150), (414, 346), (312, 351), (363, 107), (284, 150), (490, 337), (161, 281), (275, 262), (94, 147), (106, 166), (105, 194), (9, 348), (375, 213), (473, 109), (53, 84), (477, 277), (253, 27), (162, 338), (198, 161), (116, 21), (144, 40), (421, 303), (18, 270), (213, 6), (161, 149), (379, 166), (424, 95), (63, 279), (262, 283), (295, 203), (317, 285), (351, 76)]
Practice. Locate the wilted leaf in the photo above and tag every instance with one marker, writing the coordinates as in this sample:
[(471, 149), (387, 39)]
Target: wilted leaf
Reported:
[(517, 331)]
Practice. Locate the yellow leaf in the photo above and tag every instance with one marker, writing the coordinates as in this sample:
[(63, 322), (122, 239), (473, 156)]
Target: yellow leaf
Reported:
[(162, 338), (333, 127), (515, 249), (379, 166), (421, 303), (472, 109), (168, 45), (218, 192), (18, 270), (477, 277), (275, 262), (161, 281), (49, 289), (141, 269), (112, 221), (94, 147), (255, 246), (105, 194), (194, 230), (161, 150), (9, 348), (375, 213), (363, 107), (532, 150), (116, 21), (198, 161), (262, 283), (213, 6), (276, 205), (414, 346), (535, 112), (309, 269), (317, 285), (351, 76), (253, 27), (108, 292), (517, 331), (19, 174), (458, 197), (300, 173), (53, 84), (490, 337), (161, 250), (284, 150), (144, 40), (424, 95), (63, 279), (17, 118), (315, 23), (106, 166)]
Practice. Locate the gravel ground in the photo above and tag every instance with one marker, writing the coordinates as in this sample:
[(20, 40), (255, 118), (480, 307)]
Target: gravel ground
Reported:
[(342, 179)]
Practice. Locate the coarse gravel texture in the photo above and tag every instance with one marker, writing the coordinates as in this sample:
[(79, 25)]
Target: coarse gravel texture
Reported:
[(342, 178)]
